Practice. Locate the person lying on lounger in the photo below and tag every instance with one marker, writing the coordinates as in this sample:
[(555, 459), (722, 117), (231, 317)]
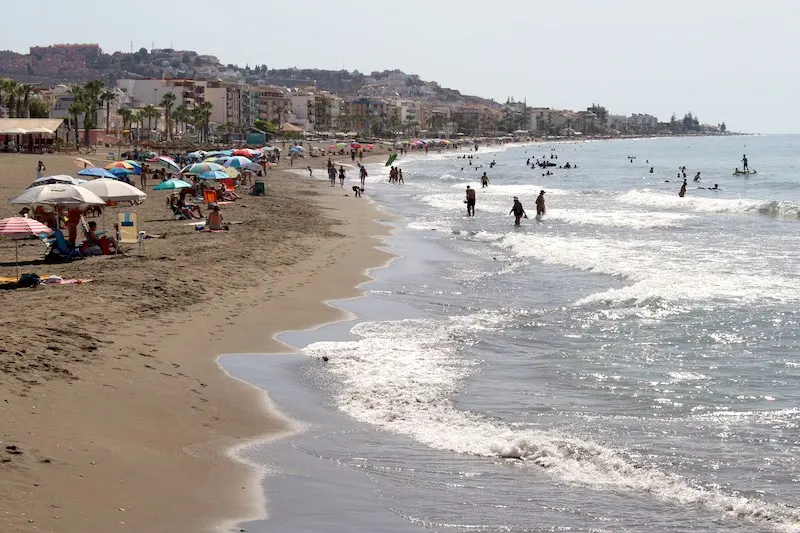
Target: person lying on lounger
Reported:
[(194, 209)]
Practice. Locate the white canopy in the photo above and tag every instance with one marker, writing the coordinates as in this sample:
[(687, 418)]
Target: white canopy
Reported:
[(113, 190), (60, 178), (57, 194)]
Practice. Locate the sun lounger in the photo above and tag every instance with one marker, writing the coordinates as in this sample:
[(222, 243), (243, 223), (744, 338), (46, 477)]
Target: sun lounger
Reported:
[(61, 250)]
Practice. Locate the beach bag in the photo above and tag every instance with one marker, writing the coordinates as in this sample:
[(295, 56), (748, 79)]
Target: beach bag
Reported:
[(28, 280)]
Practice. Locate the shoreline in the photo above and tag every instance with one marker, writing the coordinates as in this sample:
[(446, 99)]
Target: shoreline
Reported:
[(143, 436)]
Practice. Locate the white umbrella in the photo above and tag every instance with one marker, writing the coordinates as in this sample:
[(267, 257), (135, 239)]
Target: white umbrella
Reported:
[(57, 194), (48, 180), (114, 190)]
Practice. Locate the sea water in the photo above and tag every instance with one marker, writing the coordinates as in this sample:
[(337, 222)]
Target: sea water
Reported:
[(628, 362)]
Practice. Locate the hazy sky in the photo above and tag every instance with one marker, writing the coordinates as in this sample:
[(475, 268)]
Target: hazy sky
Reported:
[(724, 60)]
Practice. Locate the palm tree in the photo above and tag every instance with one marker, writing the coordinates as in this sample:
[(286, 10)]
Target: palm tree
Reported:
[(148, 112), (106, 97), (12, 92), (3, 92), (181, 116), (137, 117), (88, 97), (167, 102), (127, 117), (74, 111), (202, 115)]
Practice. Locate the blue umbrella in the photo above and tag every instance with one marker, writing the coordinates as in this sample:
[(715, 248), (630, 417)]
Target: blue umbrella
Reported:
[(137, 167), (213, 175), (121, 171), (96, 172), (172, 184)]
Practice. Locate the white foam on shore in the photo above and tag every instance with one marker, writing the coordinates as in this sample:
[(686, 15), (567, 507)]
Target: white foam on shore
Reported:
[(659, 269), (401, 375)]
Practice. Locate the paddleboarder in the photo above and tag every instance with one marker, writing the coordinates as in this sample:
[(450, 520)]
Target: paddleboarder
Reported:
[(744, 162)]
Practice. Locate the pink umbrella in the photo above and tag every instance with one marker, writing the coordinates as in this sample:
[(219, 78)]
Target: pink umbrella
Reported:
[(20, 227)]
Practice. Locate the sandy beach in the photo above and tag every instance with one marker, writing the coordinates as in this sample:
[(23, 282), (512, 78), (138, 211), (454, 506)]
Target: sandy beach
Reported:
[(115, 414)]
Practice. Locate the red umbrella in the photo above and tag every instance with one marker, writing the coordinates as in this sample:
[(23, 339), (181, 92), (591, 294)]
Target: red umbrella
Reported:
[(20, 227)]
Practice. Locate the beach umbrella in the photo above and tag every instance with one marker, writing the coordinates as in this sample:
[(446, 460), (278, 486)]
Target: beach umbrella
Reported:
[(114, 190), (95, 172), (169, 163), (119, 164), (214, 175), (137, 167), (240, 162), (232, 172), (246, 152), (57, 194), (196, 155), (120, 171), (21, 227), (199, 168), (296, 149), (172, 184), (82, 163), (391, 160), (49, 180)]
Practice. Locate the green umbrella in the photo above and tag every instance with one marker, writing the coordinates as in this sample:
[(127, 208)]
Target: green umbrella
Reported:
[(171, 185), (391, 160)]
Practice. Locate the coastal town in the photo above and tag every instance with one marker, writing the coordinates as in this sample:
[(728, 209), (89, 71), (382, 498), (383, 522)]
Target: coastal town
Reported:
[(171, 95)]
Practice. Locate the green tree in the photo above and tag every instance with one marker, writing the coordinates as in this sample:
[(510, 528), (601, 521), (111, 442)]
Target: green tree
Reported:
[(203, 116), (24, 92), (181, 116), (149, 112), (75, 111), (168, 102), (266, 126), (126, 115), (107, 97), (38, 108)]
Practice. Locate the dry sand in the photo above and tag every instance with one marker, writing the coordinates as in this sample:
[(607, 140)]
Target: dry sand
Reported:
[(114, 415)]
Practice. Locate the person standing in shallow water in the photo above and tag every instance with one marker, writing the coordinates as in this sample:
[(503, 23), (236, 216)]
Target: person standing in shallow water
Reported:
[(341, 177), (682, 193), (484, 181), (470, 201), (518, 211), (540, 207)]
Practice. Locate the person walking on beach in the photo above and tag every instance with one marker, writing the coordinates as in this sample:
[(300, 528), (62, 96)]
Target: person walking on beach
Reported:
[(363, 175), (332, 175), (484, 181), (518, 211), (341, 177), (40, 168), (400, 175), (470, 201), (744, 162), (540, 207), (682, 193)]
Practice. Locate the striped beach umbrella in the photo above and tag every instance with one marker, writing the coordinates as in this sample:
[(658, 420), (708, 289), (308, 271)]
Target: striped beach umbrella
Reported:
[(214, 175), (19, 228), (199, 168), (119, 164)]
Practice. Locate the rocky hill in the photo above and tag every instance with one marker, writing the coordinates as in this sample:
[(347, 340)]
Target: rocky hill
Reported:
[(79, 63)]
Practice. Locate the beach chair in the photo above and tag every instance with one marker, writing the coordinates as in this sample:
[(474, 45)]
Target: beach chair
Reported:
[(210, 196), (60, 249), (230, 184), (259, 188), (129, 231)]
